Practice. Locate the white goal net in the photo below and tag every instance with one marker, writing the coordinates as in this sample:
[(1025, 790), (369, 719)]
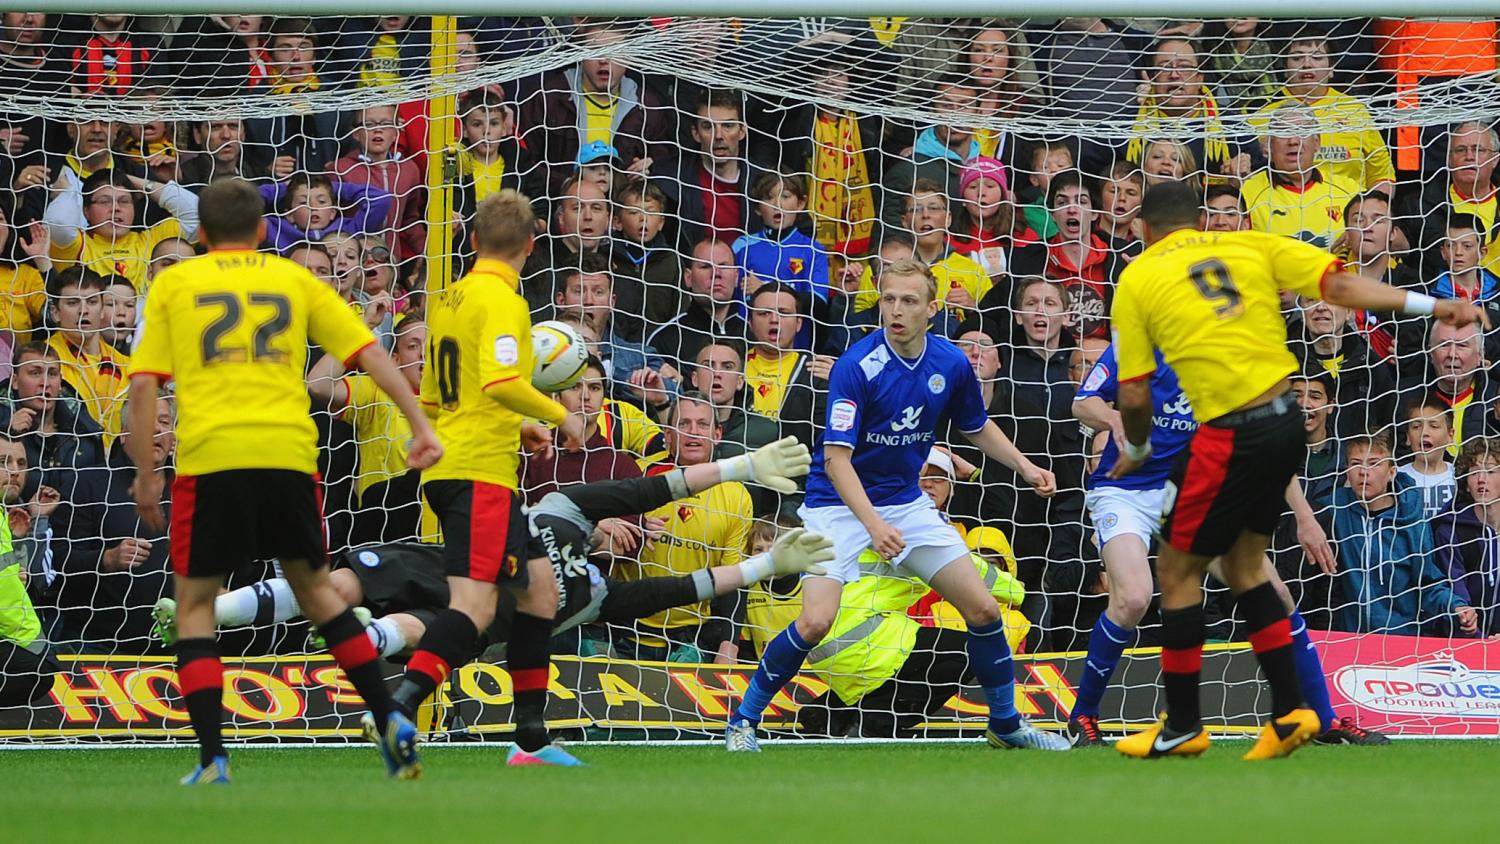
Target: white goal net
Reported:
[(720, 197)]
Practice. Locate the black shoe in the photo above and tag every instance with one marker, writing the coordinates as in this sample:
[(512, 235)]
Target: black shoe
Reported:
[(1083, 731), (1345, 731)]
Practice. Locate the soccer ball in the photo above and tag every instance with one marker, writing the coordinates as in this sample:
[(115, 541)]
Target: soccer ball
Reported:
[(559, 353)]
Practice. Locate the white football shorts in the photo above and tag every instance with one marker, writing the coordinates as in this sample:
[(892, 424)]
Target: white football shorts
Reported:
[(931, 542), (1122, 512)]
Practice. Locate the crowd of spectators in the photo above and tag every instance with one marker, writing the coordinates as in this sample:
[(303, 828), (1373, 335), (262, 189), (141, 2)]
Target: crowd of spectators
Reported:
[(719, 251)]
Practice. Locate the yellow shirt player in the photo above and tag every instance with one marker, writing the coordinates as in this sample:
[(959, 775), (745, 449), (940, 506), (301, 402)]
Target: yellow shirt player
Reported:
[(1209, 302), (391, 507), (232, 330), (477, 385)]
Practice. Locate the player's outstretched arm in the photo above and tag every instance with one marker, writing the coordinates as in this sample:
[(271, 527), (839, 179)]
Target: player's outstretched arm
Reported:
[(1354, 291), (141, 404), (325, 383), (425, 449), (993, 442), (794, 552)]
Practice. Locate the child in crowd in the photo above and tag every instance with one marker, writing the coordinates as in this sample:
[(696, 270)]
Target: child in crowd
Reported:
[(783, 250), (985, 226), (1047, 160), (962, 282), (640, 220), (1463, 252), (311, 206), (1429, 432), (1120, 200)]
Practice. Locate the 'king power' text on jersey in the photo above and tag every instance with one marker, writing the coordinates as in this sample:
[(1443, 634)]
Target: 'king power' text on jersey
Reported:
[(886, 408), (1172, 423)]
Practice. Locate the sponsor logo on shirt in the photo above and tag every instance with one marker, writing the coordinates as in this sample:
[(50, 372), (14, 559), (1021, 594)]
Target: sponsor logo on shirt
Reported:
[(841, 418), (1096, 379), (507, 350), (875, 362), (910, 418)]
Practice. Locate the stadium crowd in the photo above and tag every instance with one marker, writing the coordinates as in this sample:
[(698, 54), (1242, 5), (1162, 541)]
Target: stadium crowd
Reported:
[(718, 251)]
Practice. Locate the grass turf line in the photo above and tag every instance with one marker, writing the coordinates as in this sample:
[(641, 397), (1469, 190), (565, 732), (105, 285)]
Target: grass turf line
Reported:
[(825, 794)]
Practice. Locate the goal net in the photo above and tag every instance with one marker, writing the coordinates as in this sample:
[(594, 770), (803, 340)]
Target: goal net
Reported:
[(718, 199)]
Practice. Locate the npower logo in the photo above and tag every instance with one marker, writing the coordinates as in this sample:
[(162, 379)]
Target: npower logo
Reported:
[(1439, 686)]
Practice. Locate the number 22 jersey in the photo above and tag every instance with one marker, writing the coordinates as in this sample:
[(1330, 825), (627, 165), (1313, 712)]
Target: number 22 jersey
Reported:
[(231, 328)]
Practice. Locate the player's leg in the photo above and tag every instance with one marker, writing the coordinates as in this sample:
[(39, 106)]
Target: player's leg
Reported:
[(1124, 520), (1291, 723), (477, 523), (783, 658), (528, 659), (200, 674), (989, 654)]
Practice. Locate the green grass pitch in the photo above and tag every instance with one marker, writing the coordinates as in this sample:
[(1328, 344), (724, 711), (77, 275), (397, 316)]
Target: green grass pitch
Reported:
[(918, 793)]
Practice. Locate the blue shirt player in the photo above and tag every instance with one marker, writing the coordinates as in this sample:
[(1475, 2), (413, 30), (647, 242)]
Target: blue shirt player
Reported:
[(887, 395), (1127, 512)]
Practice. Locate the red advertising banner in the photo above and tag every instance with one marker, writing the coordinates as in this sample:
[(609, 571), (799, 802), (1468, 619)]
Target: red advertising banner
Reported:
[(1415, 686)]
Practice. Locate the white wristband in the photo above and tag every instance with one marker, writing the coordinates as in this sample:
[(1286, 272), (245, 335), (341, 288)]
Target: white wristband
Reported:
[(1136, 452), (1419, 304), (740, 468), (757, 568)]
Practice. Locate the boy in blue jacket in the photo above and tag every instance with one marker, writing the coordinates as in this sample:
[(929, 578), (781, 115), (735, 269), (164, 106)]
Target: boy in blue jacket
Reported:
[(1388, 580)]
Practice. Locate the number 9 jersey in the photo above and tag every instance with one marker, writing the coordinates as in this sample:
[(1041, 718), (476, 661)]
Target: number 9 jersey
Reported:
[(1210, 301), (231, 328), (478, 335)]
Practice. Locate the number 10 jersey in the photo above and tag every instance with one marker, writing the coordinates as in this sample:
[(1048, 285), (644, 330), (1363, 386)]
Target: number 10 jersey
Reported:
[(478, 335)]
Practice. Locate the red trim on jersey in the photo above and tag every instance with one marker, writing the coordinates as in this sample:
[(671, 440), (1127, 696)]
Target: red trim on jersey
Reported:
[(499, 381), (161, 377), (1136, 378), (205, 673), (1336, 267), (489, 528), (1208, 464), (1182, 661), (349, 361), (1278, 634), (180, 533)]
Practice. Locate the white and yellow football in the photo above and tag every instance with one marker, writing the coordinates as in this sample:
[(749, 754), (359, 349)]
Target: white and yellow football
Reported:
[(559, 354)]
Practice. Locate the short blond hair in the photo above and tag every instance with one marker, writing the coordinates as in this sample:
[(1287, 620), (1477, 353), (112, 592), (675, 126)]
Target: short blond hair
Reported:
[(912, 267), (504, 223)]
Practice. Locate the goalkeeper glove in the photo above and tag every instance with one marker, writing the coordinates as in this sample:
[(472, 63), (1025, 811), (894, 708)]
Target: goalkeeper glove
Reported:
[(794, 552), (773, 465)]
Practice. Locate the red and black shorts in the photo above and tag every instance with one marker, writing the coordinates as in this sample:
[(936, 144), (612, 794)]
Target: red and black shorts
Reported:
[(222, 521), (1232, 478), (484, 532)]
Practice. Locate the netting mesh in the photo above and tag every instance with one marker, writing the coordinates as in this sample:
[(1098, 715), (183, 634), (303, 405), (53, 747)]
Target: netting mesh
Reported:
[(720, 197)]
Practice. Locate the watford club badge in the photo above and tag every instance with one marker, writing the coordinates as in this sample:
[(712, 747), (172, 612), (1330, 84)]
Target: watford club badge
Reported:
[(795, 265), (684, 513)]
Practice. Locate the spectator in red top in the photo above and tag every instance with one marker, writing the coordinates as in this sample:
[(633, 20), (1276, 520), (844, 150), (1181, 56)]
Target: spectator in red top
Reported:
[(709, 186), (112, 60), (1076, 257), (375, 161), (596, 460)]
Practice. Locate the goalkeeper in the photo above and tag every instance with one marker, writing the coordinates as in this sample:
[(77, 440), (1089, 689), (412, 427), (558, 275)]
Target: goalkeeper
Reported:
[(404, 583)]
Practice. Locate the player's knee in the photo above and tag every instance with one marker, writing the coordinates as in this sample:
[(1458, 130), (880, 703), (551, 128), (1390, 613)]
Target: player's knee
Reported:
[(814, 626), (981, 614), (1283, 593), (1129, 606), (346, 584)]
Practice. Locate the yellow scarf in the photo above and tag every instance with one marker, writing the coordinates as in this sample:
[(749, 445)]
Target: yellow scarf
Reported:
[(282, 86), (1151, 124), (843, 205)]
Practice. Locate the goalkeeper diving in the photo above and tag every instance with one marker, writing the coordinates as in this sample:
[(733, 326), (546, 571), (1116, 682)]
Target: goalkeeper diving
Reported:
[(401, 586)]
